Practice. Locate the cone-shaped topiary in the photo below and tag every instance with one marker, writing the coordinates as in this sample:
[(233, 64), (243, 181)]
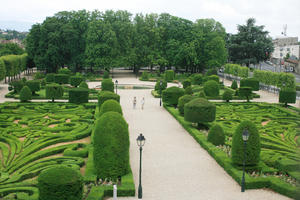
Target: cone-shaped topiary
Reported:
[(111, 146), (60, 183), (171, 95), (25, 94), (107, 85), (106, 95), (110, 105), (186, 83), (216, 135), (211, 88), (227, 95), (188, 90), (182, 101), (253, 145), (234, 85)]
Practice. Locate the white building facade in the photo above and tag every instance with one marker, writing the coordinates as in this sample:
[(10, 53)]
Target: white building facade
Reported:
[(284, 46)]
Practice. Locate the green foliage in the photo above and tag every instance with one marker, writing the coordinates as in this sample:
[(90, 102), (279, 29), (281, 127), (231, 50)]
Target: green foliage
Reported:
[(202, 95), (186, 83), (287, 95), (216, 135), (60, 183), (171, 95), (43, 83), (107, 85), (182, 101), (163, 86), (236, 70), (54, 91), (50, 77), (145, 76), (227, 95), (38, 75), (75, 80), (169, 75), (106, 74), (25, 94), (110, 105), (10, 48), (211, 71), (250, 82), (253, 145), (34, 85), (2, 69), (199, 111), (106, 95), (61, 78), (64, 71), (78, 95), (17, 86), (211, 88), (276, 79), (14, 64), (197, 79), (111, 146), (245, 92), (234, 85), (83, 84), (188, 90), (214, 78)]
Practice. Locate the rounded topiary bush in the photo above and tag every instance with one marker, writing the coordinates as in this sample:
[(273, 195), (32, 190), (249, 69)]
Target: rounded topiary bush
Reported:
[(34, 85), (83, 84), (188, 90), (78, 95), (253, 145), (54, 91), (211, 88), (197, 79), (250, 82), (107, 85), (216, 135), (182, 101), (214, 78), (169, 75), (164, 85), (287, 95), (245, 92), (25, 94), (64, 71), (110, 105), (202, 94), (186, 83), (17, 86), (171, 95), (75, 80), (227, 95), (234, 85), (111, 146), (50, 77), (61, 78), (106, 95), (60, 183)]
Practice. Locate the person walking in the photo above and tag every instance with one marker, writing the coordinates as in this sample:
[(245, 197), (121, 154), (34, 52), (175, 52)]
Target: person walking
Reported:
[(143, 103), (134, 102)]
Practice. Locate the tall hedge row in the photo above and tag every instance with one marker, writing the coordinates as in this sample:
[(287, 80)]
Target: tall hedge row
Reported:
[(236, 70), (276, 79), (2, 69), (13, 64)]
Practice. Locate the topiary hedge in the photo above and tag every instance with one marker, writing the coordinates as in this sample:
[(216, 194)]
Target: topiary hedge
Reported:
[(106, 95), (227, 95), (83, 84), (287, 95), (163, 86), (64, 71), (17, 85), (214, 78), (211, 88), (25, 94), (106, 74), (78, 95), (234, 85), (169, 75), (34, 85), (111, 146), (197, 79), (61, 78), (188, 90), (54, 91), (50, 77), (75, 80), (245, 92), (253, 145), (216, 135), (107, 85), (182, 101), (186, 83), (171, 95), (110, 105), (60, 182), (250, 82)]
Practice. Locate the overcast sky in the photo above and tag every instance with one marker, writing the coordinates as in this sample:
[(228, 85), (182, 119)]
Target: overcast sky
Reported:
[(271, 13)]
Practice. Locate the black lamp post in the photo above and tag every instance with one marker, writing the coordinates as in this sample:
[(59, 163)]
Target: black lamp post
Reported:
[(116, 82), (140, 142), (245, 138), (160, 86)]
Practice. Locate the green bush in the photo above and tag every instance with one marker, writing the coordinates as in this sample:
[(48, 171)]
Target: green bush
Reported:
[(38, 75), (216, 135), (197, 79), (50, 78), (83, 84), (202, 95), (75, 80), (61, 78), (182, 101), (34, 85), (186, 83), (2, 69), (43, 83), (250, 82), (253, 145), (60, 182), (145, 76), (227, 95), (105, 74), (245, 92), (211, 88), (188, 90), (110, 105), (106, 95), (78, 95), (54, 91), (199, 111), (234, 85), (171, 95), (107, 85), (25, 94), (163, 86), (111, 146), (64, 71), (287, 95), (212, 71), (17, 86), (214, 78), (169, 75)]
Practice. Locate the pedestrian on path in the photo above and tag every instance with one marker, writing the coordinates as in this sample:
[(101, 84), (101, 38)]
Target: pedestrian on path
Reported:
[(134, 102), (143, 102)]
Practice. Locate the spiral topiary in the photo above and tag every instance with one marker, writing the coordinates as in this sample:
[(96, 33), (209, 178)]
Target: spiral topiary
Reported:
[(110, 105), (211, 88), (182, 101), (216, 135)]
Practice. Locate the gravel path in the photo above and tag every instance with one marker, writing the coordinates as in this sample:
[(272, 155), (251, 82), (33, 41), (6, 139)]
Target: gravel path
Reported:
[(175, 167)]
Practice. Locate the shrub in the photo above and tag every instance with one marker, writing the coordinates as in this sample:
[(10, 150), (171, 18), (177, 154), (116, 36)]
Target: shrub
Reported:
[(54, 91), (34, 85), (287, 95), (38, 75), (250, 82), (50, 78), (2, 69), (211, 88), (202, 95), (163, 86), (43, 83), (111, 146), (245, 92), (17, 86), (182, 101), (107, 85), (83, 84), (197, 79), (75, 80), (145, 76), (211, 72), (199, 111), (106, 95), (60, 183), (61, 78), (171, 95), (78, 95), (216, 135), (64, 71), (227, 95), (186, 83), (110, 105), (214, 78), (188, 90), (234, 85), (25, 94), (105, 74), (253, 145), (169, 75)]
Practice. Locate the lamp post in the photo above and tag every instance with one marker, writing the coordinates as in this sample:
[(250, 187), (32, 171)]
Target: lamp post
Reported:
[(140, 142), (116, 82), (160, 85), (245, 139)]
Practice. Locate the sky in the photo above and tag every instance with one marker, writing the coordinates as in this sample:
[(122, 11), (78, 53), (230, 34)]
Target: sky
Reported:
[(273, 14)]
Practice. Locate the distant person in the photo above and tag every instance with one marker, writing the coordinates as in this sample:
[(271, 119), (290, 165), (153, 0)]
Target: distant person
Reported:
[(143, 103), (134, 102)]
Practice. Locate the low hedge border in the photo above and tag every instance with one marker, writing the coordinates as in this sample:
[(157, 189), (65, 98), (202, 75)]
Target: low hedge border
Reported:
[(225, 162), (155, 94)]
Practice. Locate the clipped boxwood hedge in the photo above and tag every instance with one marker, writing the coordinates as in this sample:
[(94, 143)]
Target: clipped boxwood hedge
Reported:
[(182, 101), (214, 78), (50, 77), (54, 91), (78, 95), (197, 79), (110, 105), (171, 95), (83, 84), (211, 88), (164, 85), (25, 94), (250, 82), (169, 75), (34, 85), (245, 92), (287, 95), (216, 135), (106, 95), (186, 83), (107, 85), (227, 95), (61, 78), (75, 80)]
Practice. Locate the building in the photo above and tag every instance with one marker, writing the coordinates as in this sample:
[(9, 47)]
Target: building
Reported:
[(284, 46)]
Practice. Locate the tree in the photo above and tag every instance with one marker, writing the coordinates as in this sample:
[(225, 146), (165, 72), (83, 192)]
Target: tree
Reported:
[(10, 48), (251, 44)]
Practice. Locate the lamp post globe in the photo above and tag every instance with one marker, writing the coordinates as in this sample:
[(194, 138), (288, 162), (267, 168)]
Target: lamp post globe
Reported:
[(116, 83), (245, 138), (160, 91), (140, 142)]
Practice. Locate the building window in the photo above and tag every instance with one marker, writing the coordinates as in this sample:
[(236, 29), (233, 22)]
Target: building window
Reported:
[(280, 54), (288, 49)]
